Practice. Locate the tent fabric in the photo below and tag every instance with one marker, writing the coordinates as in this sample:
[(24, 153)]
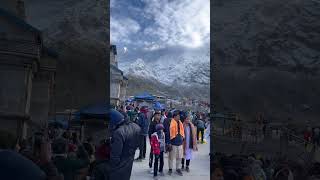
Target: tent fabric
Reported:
[(96, 111), (144, 96)]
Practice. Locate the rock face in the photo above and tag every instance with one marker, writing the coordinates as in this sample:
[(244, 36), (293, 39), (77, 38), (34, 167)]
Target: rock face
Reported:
[(267, 58), (79, 31)]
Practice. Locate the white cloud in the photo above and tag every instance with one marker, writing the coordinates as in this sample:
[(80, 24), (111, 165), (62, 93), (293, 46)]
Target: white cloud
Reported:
[(180, 22), (152, 46), (122, 28)]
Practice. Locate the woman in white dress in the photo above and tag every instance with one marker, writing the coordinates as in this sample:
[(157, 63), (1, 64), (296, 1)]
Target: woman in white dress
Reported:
[(190, 142)]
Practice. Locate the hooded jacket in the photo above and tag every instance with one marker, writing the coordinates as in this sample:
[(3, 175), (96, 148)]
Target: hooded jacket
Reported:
[(144, 123), (124, 142)]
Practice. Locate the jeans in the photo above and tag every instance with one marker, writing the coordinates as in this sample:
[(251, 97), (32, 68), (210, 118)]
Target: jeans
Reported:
[(156, 162)]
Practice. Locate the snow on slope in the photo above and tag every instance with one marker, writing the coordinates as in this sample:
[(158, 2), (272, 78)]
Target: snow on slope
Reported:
[(185, 69)]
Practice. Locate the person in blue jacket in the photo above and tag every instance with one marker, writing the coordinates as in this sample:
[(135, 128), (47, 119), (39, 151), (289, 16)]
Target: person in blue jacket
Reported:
[(144, 123)]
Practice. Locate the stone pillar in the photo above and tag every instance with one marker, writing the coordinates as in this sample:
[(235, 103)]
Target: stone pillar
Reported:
[(15, 94)]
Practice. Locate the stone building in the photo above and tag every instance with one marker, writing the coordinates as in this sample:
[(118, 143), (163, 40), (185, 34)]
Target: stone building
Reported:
[(27, 73), (118, 82)]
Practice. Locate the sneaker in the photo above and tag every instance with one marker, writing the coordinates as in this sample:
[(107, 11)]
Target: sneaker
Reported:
[(151, 172), (179, 172), (161, 173), (170, 172), (187, 169), (182, 168)]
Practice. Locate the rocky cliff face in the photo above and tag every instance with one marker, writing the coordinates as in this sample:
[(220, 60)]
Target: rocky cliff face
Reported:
[(267, 58), (78, 31)]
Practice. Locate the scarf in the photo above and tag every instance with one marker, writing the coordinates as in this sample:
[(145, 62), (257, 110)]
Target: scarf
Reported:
[(193, 138), (175, 127)]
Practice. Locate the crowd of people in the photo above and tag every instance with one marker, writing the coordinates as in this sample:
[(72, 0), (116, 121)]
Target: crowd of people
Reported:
[(255, 167), (312, 135), (63, 154), (53, 153), (174, 132)]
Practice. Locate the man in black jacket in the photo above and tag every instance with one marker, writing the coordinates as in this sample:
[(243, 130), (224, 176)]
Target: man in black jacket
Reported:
[(152, 129), (124, 142)]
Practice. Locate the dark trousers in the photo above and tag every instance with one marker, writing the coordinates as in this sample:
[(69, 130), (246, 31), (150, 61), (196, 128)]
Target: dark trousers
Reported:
[(150, 158), (142, 147), (202, 133), (157, 168), (187, 163)]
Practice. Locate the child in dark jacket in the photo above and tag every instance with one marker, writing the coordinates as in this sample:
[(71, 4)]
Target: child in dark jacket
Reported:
[(158, 148)]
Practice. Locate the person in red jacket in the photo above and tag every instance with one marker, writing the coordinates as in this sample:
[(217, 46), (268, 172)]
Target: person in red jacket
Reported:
[(307, 136), (158, 147)]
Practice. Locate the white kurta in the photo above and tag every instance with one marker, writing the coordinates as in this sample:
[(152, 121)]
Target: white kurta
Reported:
[(188, 154)]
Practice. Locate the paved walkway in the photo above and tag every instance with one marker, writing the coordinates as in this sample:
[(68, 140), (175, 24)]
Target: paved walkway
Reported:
[(199, 167)]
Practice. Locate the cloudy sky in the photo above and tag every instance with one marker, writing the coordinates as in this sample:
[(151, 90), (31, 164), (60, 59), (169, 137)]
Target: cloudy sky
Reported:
[(140, 27)]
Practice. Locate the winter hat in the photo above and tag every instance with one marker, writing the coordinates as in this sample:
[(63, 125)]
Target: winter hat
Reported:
[(144, 109), (157, 106), (159, 127), (116, 118)]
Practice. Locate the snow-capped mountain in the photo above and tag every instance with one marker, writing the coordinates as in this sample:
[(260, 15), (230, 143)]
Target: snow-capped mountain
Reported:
[(182, 69), (140, 68)]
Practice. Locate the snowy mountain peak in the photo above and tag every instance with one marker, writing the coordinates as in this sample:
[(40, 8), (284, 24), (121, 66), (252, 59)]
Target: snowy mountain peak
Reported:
[(139, 68), (166, 70), (139, 64)]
